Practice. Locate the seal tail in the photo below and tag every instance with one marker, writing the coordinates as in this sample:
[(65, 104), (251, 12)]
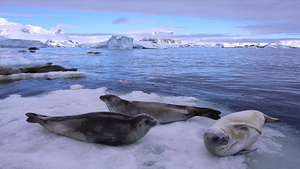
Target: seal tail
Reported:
[(206, 112), (269, 119), (35, 118)]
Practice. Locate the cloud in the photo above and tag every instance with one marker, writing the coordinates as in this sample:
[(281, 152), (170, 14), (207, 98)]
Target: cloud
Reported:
[(26, 15), (203, 36), (270, 16), (214, 9), (273, 28), (60, 26), (120, 20), (18, 14)]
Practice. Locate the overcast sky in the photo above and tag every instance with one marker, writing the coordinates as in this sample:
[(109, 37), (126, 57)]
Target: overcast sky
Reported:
[(225, 18)]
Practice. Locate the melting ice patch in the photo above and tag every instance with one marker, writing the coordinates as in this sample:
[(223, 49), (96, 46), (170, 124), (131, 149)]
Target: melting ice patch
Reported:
[(175, 145), (48, 75)]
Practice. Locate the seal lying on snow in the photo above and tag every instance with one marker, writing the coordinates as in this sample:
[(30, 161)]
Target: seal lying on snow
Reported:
[(100, 127), (164, 113), (234, 133)]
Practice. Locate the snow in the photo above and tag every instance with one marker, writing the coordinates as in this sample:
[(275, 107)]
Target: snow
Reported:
[(291, 43), (176, 145), (48, 75)]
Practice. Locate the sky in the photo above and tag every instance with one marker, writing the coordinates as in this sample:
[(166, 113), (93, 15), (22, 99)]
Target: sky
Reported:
[(250, 19)]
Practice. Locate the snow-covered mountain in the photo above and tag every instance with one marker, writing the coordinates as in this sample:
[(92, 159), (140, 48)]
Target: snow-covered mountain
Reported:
[(58, 31), (14, 30), (29, 35)]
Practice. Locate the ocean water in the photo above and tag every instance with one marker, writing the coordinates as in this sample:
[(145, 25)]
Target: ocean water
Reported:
[(229, 80), (239, 79)]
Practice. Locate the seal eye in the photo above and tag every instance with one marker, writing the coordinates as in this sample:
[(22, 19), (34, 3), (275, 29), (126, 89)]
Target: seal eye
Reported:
[(147, 121)]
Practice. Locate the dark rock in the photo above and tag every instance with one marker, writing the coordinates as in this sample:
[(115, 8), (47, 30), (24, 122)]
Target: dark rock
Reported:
[(33, 48), (95, 53)]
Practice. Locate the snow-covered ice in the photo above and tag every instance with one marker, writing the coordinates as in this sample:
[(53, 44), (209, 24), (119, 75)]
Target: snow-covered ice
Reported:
[(21, 43), (48, 75), (176, 145)]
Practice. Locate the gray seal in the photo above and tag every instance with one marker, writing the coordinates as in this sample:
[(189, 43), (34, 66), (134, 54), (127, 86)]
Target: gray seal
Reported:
[(100, 127), (53, 68), (8, 71), (164, 113), (33, 68), (48, 67)]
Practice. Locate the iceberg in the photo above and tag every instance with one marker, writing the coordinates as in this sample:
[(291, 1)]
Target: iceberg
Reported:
[(122, 42)]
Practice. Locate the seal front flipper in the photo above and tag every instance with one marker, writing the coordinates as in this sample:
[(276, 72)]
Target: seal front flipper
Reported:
[(241, 126), (244, 151), (35, 118)]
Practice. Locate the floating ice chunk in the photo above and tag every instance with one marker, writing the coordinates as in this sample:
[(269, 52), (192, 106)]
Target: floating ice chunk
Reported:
[(76, 87), (145, 45), (48, 75)]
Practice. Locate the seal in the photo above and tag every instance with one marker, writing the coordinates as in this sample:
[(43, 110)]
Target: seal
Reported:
[(48, 67), (233, 134), (8, 71), (34, 68), (100, 127), (53, 68), (162, 112)]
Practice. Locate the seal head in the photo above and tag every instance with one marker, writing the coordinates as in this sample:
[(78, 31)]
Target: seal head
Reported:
[(216, 141)]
